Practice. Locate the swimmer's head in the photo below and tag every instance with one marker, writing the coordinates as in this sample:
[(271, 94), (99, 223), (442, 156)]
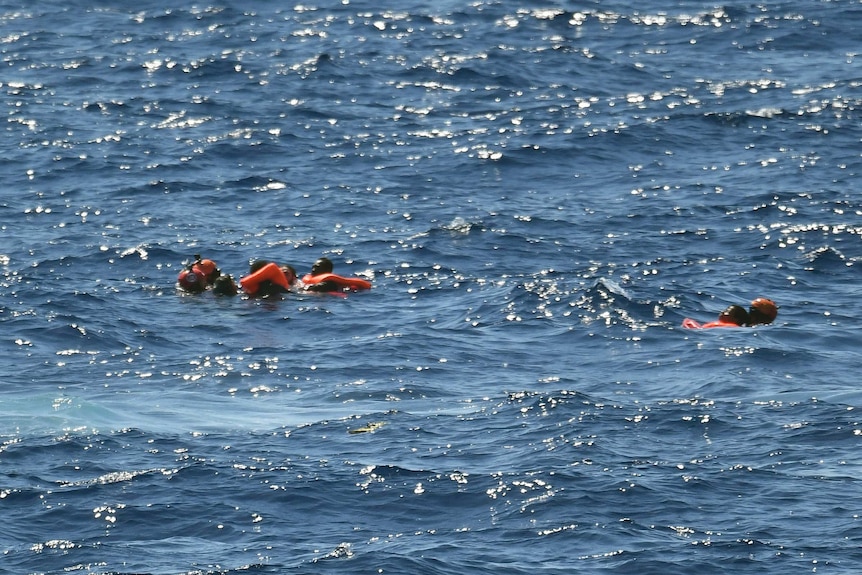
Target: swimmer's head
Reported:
[(257, 265), (735, 314), (192, 281), (321, 266), (224, 285), (762, 311), (289, 272)]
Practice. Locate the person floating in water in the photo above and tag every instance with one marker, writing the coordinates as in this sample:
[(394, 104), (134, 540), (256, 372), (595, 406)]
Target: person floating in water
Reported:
[(202, 274), (733, 316), (267, 279), (323, 280), (762, 311)]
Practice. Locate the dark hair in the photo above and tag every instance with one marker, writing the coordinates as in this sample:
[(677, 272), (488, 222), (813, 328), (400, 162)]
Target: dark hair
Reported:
[(224, 285), (322, 266), (736, 314), (256, 265), (291, 269)]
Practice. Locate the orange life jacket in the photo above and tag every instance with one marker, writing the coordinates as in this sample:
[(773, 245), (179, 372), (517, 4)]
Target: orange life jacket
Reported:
[(192, 280), (270, 272), (692, 324), (341, 282)]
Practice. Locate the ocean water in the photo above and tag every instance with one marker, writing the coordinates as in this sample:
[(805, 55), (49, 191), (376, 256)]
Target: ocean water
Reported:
[(539, 192)]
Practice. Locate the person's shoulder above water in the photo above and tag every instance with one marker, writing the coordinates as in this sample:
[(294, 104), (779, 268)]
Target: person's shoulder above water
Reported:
[(322, 279), (762, 311)]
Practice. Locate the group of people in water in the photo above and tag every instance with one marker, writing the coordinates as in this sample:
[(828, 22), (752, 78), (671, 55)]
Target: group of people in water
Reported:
[(266, 279), (762, 311)]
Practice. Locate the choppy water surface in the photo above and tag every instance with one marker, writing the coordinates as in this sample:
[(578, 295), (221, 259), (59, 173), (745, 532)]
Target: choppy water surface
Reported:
[(539, 193)]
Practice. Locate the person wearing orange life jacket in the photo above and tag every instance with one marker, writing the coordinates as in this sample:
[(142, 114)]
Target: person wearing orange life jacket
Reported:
[(267, 279), (762, 311), (733, 316), (323, 280), (204, 273)]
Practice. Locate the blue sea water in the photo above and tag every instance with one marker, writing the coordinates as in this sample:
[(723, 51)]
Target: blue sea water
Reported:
[(539, 192)]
